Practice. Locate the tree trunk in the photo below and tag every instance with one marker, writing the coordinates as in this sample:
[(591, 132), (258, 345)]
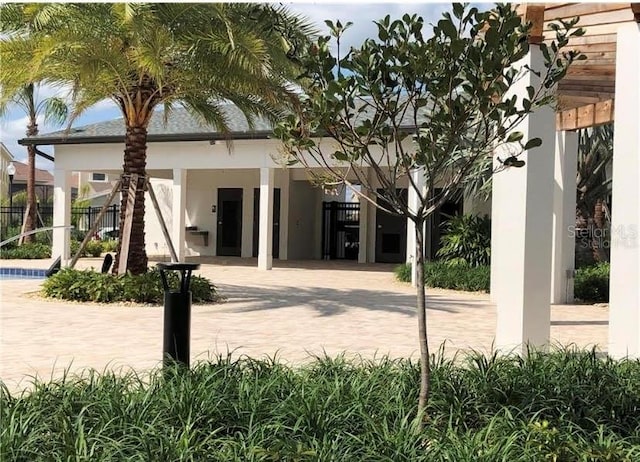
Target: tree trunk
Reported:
[(598, 233), (425, 366), (30, 218), (135, 161)]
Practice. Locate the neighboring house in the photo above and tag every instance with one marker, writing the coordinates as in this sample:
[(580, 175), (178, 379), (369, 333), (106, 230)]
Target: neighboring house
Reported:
[(5, 158), (209, 185), (43, 186), (96, 186)]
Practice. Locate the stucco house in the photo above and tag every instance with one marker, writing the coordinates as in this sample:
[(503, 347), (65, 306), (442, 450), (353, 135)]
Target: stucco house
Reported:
[(209, 188)]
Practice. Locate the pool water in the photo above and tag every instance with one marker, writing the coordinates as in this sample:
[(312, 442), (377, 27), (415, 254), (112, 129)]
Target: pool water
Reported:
[(22, 273)]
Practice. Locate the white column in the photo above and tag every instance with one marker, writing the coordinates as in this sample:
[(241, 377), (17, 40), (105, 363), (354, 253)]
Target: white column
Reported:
[(523, 200), (497, 195), (564, 217), (624, 297), (61, 215), (284, 215), (178, 212), (265, 235), (414, 198)]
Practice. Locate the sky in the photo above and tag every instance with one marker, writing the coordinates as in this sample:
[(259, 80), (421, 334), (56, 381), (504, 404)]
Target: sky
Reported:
[(13, 125)]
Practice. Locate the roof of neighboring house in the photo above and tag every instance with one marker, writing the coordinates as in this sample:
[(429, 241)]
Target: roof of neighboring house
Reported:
[(43, 177), (180, 126)]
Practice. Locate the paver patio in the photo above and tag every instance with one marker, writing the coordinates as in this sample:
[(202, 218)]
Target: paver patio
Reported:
[(297, 309)]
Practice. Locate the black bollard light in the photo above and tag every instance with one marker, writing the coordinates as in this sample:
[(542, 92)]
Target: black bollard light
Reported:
[(177, 313)]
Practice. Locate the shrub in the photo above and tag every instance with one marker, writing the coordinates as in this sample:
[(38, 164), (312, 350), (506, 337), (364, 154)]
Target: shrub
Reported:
[(109, 245), (29, 251), (565, 406), (592, 283), (88, 285), (94, 248), (446, 275), (467, 241)]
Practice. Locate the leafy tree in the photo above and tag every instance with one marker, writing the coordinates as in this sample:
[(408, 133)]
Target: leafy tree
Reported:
[(407, 111), (595, 154), (143, 56)]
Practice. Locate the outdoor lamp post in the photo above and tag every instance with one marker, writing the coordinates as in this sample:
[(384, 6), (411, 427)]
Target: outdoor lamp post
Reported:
[(11, 170)]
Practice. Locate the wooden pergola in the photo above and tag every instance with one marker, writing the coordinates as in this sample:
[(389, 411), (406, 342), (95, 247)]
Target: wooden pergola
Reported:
[(586, 95), (533, 208)]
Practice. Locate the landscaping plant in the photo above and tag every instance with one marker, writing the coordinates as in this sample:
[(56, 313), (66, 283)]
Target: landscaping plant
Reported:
[(91, 286), (450, 276), (467, 241), (563, 406), (423, 110)]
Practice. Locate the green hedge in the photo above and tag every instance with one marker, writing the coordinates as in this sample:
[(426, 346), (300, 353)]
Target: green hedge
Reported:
[(27, 251), (450, 276), (562, 406), (592, 283), (88, 285)]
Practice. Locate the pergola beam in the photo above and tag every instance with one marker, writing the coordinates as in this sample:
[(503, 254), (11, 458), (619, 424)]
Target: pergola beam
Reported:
[(589, 115)]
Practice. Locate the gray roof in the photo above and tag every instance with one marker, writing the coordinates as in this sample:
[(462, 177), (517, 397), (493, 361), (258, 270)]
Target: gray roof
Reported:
[(180, 125)]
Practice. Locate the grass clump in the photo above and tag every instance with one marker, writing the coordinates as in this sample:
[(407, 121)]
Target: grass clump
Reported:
[(592, 283), (90, 286), (567, 405), (446, 275)]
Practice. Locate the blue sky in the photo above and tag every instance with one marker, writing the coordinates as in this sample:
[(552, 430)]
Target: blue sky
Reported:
[(362, 15)]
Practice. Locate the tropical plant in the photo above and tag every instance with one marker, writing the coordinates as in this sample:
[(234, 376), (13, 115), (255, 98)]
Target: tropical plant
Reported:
[(144, 56), (593, 181), (404, 110), (445, 275), (467, 241)]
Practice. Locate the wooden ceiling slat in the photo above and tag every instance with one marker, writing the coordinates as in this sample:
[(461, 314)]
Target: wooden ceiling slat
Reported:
[(580, 9), (593, 47), (590, 31), (607, 87), (609, 17)]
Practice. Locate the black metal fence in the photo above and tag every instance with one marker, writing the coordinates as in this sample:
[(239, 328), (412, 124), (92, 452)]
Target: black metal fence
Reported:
[(81, 218), (340, 230)]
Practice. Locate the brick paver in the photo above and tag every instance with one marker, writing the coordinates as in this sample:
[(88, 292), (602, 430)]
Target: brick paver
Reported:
[(296, 310)]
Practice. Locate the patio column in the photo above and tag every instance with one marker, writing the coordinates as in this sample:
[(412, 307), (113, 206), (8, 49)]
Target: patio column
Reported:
[(564, 217), (624, 298), (523, 204), (265, 233), (414, 202), (178, 212), (61, 215)]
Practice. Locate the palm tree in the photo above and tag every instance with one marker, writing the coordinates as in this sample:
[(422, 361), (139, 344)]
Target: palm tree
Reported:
[(595, 154), (143, 56), (54, 110)]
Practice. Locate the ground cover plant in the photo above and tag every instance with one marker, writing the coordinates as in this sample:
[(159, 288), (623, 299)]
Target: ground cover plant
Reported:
[(563, 406), (91, 286), (446, 275), (27, 251)]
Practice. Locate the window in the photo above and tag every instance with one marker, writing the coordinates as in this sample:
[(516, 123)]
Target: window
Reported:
[(98, 177)]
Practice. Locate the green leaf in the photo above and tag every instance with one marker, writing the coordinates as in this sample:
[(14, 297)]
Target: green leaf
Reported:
[(533, 143), (514, 137)]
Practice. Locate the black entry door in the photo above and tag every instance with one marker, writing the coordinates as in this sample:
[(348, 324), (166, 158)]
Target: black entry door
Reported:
[(229, 235), (391, 236), (276, 221)]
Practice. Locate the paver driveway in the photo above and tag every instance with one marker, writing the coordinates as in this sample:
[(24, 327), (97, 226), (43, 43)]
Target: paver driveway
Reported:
[(297, 309)]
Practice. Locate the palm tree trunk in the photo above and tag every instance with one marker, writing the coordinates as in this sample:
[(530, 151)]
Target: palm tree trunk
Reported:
[(597, 241), (425, 366), (30, 218), (135, 161)]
